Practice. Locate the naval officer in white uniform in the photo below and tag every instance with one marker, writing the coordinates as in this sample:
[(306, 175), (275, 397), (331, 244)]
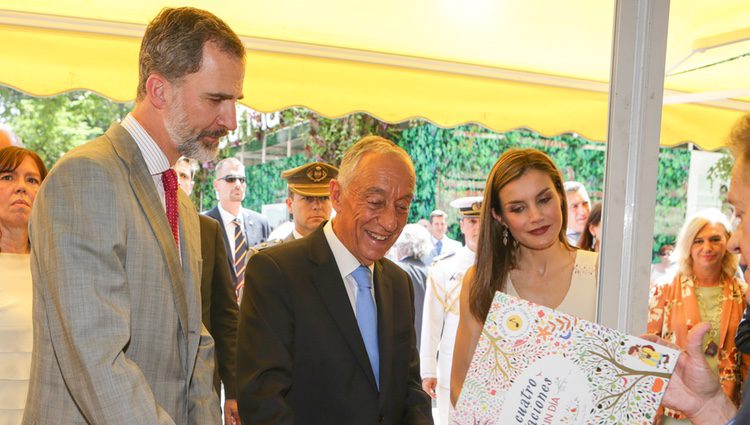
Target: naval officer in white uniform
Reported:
[(440, 312)]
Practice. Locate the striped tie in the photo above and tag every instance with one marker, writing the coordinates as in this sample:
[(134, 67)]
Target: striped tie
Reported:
[(240, 257)]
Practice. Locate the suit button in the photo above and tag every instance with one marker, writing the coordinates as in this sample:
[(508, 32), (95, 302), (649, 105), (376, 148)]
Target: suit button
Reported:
[(381, 419)]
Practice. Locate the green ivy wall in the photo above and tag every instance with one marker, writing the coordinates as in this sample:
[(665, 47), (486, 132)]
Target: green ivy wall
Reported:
[(455, 162)]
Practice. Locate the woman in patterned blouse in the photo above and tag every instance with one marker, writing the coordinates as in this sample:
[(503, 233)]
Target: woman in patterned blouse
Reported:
[(705, 289)]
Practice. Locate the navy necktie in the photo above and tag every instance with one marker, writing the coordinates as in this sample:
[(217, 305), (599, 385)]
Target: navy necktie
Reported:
[(367, 318), (240, 254)]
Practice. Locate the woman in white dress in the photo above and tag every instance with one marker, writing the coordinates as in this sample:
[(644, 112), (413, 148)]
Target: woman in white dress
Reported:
[(21, 174), (522, 251)]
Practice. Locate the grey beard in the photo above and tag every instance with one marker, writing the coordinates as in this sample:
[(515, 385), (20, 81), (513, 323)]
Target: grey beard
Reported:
[(194, 149)]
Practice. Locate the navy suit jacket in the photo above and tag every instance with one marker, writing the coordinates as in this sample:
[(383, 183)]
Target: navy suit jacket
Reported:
[(219, 304), (302, 358), (256, 231)]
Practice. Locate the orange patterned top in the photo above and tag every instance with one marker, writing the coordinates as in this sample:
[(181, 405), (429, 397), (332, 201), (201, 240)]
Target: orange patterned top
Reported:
[(673, 311)]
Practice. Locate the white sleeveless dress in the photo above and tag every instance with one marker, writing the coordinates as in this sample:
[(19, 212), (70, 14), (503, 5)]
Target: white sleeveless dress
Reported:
[(580, 301)]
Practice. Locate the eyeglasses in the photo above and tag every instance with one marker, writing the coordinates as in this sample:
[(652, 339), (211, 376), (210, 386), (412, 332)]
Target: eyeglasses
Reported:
[(231, 179)]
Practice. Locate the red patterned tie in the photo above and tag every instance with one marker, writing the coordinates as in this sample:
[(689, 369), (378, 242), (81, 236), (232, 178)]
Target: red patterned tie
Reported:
[(169, 180)]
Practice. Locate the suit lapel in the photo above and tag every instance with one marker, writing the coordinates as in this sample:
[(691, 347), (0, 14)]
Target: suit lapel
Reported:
[(216, 215), (191, 268), (247, 219), (145, 192), (384, 300), (330, 286)]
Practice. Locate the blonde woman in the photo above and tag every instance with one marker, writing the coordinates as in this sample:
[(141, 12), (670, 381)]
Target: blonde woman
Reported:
[(705, 289)]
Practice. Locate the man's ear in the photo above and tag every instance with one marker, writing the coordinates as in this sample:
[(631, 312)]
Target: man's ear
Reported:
[(157, 88), (335, 188), (289, 201)]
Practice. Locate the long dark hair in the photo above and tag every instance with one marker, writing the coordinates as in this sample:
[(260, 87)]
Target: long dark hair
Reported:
[(494, 259), (586, 241)]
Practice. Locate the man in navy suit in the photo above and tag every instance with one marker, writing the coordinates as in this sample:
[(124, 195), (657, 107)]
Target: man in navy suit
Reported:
[(326, 332), (243, 228)]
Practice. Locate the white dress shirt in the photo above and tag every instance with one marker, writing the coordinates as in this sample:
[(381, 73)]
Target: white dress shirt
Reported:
[(156, 162), (347, 263), (227, 219)]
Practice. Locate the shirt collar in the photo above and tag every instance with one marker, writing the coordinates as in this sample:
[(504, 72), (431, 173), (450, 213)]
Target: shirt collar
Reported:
[(346, 262), (156, 161), (227, 217)]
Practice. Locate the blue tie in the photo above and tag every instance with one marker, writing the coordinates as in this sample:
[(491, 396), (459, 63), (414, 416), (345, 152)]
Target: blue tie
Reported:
[(438, 247), (367, 318)]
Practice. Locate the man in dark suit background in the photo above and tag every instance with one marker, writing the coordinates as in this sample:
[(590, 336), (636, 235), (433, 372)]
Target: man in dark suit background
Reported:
[(219, 310), (326, 332), (243, 228)]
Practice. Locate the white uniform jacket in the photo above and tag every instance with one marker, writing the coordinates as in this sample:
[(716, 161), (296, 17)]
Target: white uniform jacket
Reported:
[(440, 314)]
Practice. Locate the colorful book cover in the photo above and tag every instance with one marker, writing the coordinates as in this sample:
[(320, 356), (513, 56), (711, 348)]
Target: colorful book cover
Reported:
[(537, 366)]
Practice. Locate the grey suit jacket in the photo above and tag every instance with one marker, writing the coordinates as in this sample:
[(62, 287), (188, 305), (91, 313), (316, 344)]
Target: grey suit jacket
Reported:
[(118, 337), (256, 231)]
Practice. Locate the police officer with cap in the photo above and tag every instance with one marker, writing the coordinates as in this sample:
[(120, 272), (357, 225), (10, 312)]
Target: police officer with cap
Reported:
[(441, 302), (309, 200)]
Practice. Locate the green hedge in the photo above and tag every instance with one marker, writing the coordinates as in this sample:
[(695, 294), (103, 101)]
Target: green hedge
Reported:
[(455, 162), (462, 157)]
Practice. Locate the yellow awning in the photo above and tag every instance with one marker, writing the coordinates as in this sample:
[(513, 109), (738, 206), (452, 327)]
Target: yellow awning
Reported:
[(540, 64)]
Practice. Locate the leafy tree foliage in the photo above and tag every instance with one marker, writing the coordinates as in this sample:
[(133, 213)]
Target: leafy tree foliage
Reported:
[(53, 125), (448, 162)]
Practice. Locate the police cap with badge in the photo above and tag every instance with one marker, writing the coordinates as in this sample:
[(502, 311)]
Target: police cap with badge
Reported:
[(468, 206), (311, 179)]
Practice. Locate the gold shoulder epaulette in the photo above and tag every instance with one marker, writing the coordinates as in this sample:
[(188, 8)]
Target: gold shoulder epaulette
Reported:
[(265, 245), (442, 257)]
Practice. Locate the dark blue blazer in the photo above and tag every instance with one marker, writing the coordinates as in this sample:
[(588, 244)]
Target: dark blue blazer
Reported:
[(256, 231)]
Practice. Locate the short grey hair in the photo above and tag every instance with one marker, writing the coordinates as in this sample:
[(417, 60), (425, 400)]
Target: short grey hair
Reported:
[(437, 213), (227, 162), (739, 139), (12, 137), (368, 145), (573, 186), (414, 241)]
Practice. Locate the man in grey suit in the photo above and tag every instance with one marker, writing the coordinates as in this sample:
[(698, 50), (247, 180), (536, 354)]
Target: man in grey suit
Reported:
[(116, 255), (243, 228)]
